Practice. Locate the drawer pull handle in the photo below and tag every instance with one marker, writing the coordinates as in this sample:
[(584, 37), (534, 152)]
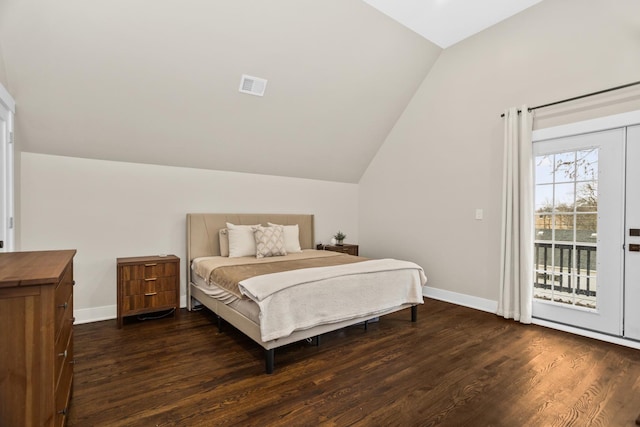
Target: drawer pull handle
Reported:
[(63, 306), (150, 294), (63, 354), (151, 265), (63, 411), (151, 280)]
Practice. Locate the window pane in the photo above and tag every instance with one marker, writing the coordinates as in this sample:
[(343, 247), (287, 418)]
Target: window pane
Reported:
[(586, 261), (563, 227), (587, 196), (564, 197), (544, 169), (544, 198), (586, 228), (587, 165), (562, 291), (562, 257), (542, 257), (565, 167), (543, 227)]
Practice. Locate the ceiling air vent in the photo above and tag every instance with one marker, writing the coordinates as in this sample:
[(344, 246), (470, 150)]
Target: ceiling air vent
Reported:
[(252, 85)]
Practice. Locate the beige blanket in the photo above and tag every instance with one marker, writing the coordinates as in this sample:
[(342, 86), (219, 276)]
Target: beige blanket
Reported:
[(301, 299), (227, 273)]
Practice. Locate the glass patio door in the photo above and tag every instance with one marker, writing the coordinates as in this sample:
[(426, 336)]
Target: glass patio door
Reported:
[(579, 223)]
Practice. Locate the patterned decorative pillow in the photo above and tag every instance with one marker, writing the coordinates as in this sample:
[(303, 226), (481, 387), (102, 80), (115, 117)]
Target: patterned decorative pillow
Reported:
[(269, 241)]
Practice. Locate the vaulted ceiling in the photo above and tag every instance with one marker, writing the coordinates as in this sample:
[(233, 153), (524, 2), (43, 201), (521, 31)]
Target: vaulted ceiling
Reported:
[(156, 81)]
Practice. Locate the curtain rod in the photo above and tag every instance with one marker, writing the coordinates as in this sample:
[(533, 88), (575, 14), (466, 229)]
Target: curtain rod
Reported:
[(581, 96)]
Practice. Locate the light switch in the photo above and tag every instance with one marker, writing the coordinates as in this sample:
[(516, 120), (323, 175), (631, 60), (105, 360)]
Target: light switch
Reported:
[(479, 214)]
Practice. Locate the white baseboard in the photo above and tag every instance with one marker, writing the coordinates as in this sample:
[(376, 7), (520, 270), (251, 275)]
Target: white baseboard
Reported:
[(461, 299), (107, 312), (95, 314)]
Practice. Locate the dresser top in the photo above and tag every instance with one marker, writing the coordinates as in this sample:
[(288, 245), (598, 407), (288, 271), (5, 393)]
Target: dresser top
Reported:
[(33, 268)]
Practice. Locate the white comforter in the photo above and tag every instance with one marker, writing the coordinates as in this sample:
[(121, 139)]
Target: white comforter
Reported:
[(301, 299)]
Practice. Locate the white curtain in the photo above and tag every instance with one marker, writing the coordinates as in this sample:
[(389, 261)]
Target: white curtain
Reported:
[(516, 266)]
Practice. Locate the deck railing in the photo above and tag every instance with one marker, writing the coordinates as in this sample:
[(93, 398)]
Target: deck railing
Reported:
[(559, 277)]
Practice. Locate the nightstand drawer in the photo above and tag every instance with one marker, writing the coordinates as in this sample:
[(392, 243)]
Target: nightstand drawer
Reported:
[(153, 300), (148, 286), (150, 270)]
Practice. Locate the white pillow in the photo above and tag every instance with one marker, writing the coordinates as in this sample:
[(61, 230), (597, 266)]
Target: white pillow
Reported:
[(291, 237), (269, 241), (241, 240)]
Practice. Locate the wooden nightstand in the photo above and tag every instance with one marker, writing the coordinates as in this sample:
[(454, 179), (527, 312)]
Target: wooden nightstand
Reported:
[(345, 248), (147, 284)]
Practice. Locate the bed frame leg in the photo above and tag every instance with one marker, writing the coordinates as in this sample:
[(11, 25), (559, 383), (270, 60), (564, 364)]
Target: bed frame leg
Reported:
[(269, 360), (414, 313), (317, 340), (219, 323), (366, 325)]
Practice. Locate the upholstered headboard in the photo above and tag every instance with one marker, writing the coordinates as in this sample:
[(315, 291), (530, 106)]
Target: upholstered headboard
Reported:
[(202, 230)]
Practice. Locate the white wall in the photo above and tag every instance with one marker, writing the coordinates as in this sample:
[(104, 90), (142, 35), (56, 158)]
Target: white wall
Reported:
[(3, 71), (443, 159), (108, 209)]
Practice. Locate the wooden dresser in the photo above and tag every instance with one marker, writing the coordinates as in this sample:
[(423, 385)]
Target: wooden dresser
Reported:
[(147, 284), (36, 337)]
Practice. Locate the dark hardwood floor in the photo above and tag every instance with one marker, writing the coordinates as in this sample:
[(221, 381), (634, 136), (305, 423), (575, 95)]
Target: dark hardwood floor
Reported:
[(454, 367)]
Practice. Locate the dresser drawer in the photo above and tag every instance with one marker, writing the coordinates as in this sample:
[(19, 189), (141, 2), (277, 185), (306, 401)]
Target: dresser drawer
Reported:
[(63, 389), (63, 350), (63, 300), (64, 316)]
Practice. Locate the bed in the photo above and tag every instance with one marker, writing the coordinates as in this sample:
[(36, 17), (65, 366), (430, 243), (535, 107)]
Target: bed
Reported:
[(275, 305)]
